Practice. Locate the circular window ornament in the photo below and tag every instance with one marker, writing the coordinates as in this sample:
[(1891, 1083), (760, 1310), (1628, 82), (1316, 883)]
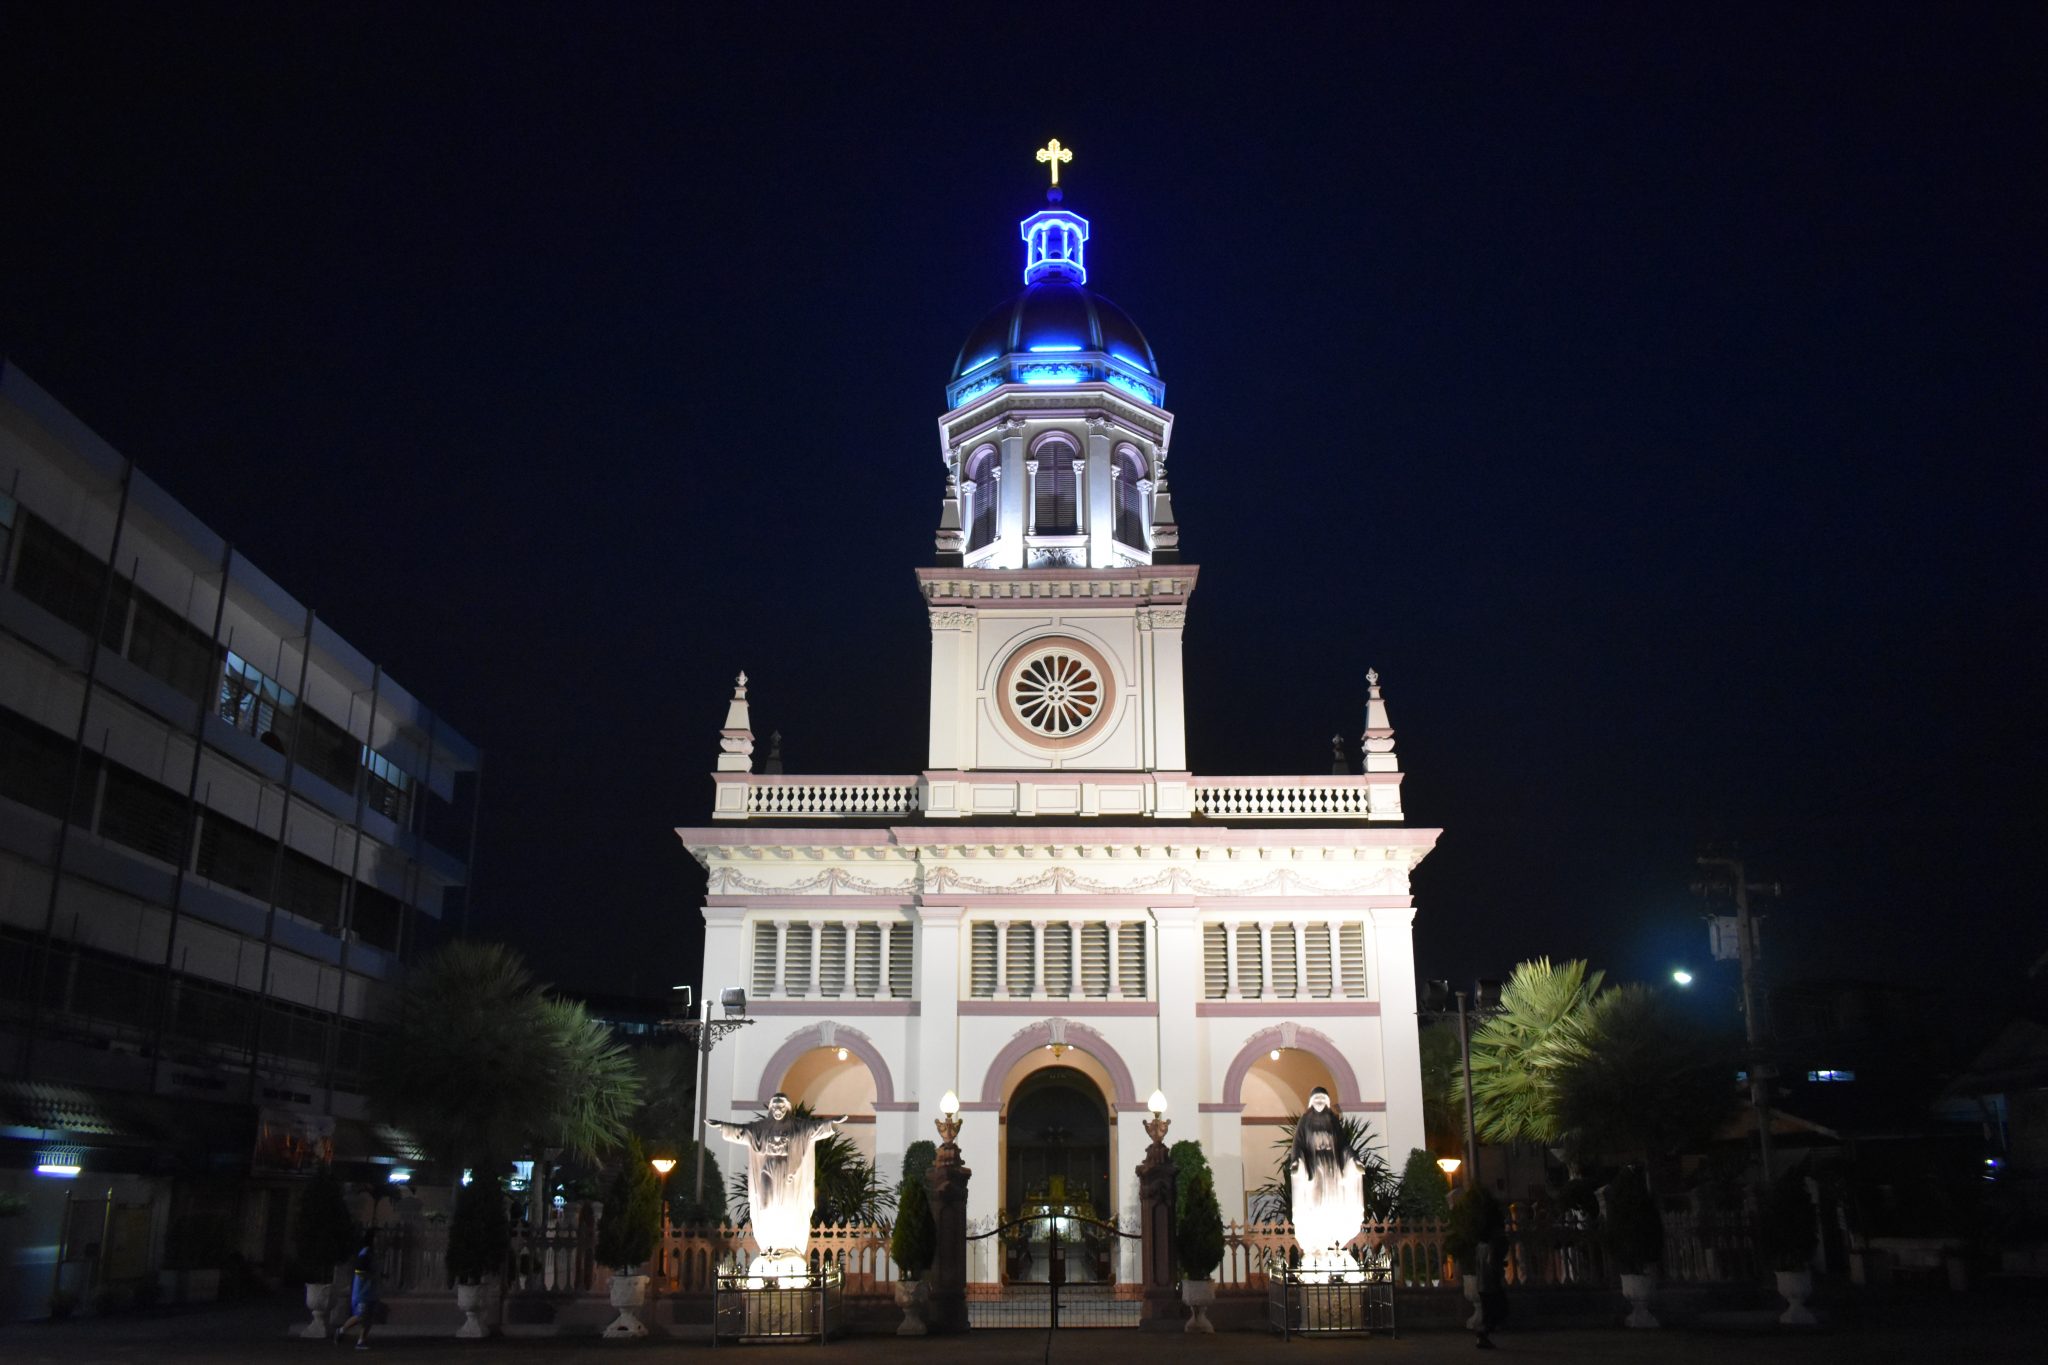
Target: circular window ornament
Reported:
[(1055, 693)]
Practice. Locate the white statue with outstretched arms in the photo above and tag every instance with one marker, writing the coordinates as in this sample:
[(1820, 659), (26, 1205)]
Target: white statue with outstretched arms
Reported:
[(781, 1181)]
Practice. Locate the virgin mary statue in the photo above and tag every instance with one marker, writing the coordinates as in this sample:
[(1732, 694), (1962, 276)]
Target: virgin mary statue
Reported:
[(1327, 1183)]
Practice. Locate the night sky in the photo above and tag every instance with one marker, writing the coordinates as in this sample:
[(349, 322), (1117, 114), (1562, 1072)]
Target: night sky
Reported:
[(1654, 399)]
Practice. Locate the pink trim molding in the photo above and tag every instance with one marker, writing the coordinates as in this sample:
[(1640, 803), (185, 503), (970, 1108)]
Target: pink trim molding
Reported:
[(1286, 1009), (806, 1039), (1038, 1009), (835, 1007), (1308, 1040), (1036, 1037)]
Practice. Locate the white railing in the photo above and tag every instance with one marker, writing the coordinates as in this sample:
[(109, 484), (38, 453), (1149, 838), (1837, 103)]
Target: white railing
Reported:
[(691, 1256), (809, 796), (1333, 798)]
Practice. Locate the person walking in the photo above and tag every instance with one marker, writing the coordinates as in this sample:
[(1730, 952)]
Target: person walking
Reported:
[(364, 1307)]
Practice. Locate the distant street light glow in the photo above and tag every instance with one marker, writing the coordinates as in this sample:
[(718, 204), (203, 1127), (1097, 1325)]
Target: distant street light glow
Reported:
[(1682, 977)]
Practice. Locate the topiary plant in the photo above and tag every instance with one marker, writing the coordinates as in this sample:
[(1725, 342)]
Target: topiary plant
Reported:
[(1634, 1229), (1475, 1218), (1198, 1236), (631, 1224), (914, 1241), (1425, 1191), (918, 1158), (323, 1234), (479, 1234), (1790, 1234)]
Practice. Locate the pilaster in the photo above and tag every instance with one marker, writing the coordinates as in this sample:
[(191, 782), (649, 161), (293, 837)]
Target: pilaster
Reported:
[(1098, 487), (1392, 972)]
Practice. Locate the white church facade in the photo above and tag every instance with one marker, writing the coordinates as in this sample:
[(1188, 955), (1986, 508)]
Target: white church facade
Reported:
[(1057, 917)]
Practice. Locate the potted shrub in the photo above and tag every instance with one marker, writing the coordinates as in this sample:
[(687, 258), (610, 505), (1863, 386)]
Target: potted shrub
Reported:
[(1635, 1238), (627, 1234), (1790, 1236), (1198, 1243), (914, 1241), (479, 1236), (323, 1236)]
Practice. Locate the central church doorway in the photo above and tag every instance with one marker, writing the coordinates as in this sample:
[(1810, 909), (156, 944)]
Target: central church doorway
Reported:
[(1056, 1141)]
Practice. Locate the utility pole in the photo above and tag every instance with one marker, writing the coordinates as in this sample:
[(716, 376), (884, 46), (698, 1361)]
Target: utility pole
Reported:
[(1760, 1070), (1471, 1129)]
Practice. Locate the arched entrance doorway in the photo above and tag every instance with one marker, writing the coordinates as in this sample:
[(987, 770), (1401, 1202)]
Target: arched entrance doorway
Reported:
[(1274, 1092), (1056, 1138), (834, 1081)]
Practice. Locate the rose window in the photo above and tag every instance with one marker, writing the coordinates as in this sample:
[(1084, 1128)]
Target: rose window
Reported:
[(1056, 693)]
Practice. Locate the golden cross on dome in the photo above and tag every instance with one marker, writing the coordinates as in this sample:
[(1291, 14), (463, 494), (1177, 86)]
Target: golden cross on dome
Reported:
[(1054, 153)]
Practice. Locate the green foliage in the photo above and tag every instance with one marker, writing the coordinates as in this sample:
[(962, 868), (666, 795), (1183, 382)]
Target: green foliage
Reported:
[(1424, 1192), (323, 1234), (1790, 1232), (1476, 1218), (1443, 1089), (479, 1234), (914, 1242), (1188, 1162), (1648, 1084), (1198, 1234), (12, 1205), (683, 1205), (1273, 1202), (918, 1158), (1519, 1052), (1634, 1229), (482, 1066), (631, 1225)]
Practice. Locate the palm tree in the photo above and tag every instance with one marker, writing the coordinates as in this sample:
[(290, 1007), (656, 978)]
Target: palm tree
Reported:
[(482, 1065), (1519, 1053), (1650, 1084)]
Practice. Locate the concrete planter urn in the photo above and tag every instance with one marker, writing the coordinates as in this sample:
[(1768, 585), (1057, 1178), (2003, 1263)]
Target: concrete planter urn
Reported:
[(1199, 1296), (628, 1293), (1477, 1322), (914, 1297), (1637, 1290), (470, 1299), (320, 1303), (1795, 1287)]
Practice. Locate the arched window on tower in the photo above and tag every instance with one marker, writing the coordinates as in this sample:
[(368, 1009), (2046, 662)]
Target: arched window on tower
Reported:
[(1129, 467), (1055, 487), (980, 490)]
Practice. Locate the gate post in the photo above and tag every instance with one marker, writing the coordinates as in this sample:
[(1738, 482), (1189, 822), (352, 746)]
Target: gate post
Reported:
[(1156, 1191), (946, 1182)]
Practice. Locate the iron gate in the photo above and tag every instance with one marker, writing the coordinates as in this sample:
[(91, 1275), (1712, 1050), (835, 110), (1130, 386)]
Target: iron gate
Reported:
[(1058, 1270)]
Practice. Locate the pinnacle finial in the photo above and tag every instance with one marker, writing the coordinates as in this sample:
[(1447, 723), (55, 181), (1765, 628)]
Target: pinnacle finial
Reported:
[(739, 686), (1372, 678), (1052, 153)]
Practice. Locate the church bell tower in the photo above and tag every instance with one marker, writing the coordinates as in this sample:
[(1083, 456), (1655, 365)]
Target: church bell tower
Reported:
[(1058, 597)]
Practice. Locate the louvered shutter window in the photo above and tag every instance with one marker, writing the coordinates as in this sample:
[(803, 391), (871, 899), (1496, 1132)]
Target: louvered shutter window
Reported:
[(1130, 500), (1095, 959), (1055, 488), (1351, 959), (981, 508), (1130, 960), (1215, 961), (867, 959), (1286, 985), (1059, 959), (1316, 943), (796, 955), (832, 960), (902, 968), (1018, 965), (982, 968), (764, 958), (1251, 962)]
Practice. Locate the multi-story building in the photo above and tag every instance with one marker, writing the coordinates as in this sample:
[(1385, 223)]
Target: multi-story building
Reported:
[(1057, 917), (222, 831)]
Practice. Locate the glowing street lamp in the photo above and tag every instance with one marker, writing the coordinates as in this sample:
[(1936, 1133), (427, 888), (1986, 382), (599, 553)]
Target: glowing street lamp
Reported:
[(949, 1118), (1449, 1166), (1681, 976)]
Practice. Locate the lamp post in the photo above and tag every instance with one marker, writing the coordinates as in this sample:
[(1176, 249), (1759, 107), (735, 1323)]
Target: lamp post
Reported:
[(1157, 1191), (1475, 1001), (663, 1164), (704, 1035), (946, 1182)]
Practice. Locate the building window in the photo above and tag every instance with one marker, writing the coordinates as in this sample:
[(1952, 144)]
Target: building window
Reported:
[(1215, 961), (1251, 962), (1054, 488), (981, 946), (64, 578), (253, 702), (1351, 959), (796, 958), (162, 643), (1059, 960), (1095, 960), (387, 788), (832, 960), (144, 815), (328, 751), (981, 500), (867, 959), (902, 964), (1130, 499), (765, 941), (1130, 960), (35, 769)]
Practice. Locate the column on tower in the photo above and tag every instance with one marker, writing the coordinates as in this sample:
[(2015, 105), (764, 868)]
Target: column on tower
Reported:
[(1100, 491), (1393, 971), (1015, 486)]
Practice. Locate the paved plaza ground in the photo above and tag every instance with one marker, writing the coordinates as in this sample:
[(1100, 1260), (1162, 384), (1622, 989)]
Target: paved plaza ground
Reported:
[(1949, 1330)]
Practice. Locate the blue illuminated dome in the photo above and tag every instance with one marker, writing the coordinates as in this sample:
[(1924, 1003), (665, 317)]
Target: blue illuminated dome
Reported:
[(1057, 331), (1053, 317)]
